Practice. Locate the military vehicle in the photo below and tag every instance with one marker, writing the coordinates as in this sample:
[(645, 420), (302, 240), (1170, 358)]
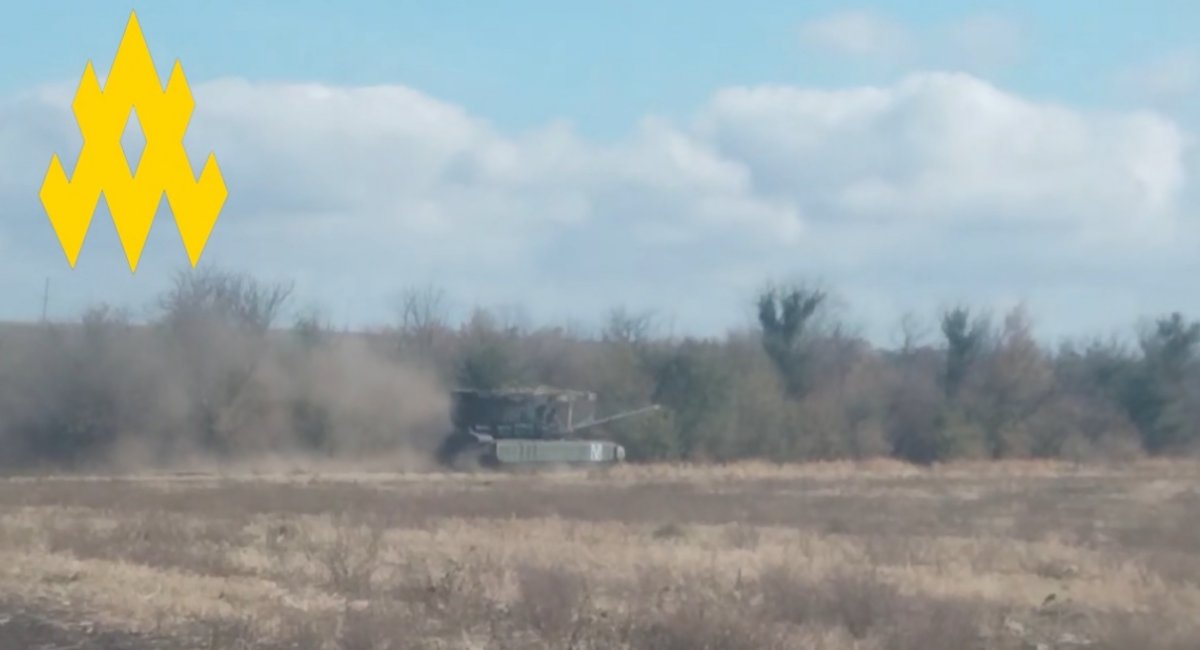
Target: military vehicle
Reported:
[(534, 426)]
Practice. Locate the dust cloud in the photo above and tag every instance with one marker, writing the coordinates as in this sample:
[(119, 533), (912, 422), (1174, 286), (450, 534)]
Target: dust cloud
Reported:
[(210, 385)]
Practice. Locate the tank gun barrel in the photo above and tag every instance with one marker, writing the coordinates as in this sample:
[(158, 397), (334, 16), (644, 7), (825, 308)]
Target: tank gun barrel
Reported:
[(595, 422)]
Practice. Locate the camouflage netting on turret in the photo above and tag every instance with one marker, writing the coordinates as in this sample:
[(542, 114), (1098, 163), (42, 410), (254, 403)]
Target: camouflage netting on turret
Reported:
[(536, 408)]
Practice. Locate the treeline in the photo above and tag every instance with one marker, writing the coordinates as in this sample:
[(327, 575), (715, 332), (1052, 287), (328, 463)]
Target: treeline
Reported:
[(217, 373), (225, 370)]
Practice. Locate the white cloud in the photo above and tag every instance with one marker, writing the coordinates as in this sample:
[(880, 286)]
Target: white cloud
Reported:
[(858, 33), (936, 187), (1168, 77), (950, 148), (976, 42), (985, 40)]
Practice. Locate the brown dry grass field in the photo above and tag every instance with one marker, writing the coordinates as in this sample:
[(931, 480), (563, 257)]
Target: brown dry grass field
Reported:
[(877, 555)]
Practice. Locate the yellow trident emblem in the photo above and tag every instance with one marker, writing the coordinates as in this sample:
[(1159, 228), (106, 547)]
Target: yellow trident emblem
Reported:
[(133, 196)]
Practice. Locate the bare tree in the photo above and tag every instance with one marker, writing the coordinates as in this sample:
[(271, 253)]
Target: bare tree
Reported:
[(624, 326), (422, 313), (234, 298), (1017, 384), (421, 309), (513, 319), (312, 326), (912, 332), (218, 322)]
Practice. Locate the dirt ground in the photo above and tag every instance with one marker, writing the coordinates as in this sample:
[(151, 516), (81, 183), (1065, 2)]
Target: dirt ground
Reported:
[(880, 555)]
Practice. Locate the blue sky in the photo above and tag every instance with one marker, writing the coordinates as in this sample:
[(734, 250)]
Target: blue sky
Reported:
[(601, 65), (555, 114)]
